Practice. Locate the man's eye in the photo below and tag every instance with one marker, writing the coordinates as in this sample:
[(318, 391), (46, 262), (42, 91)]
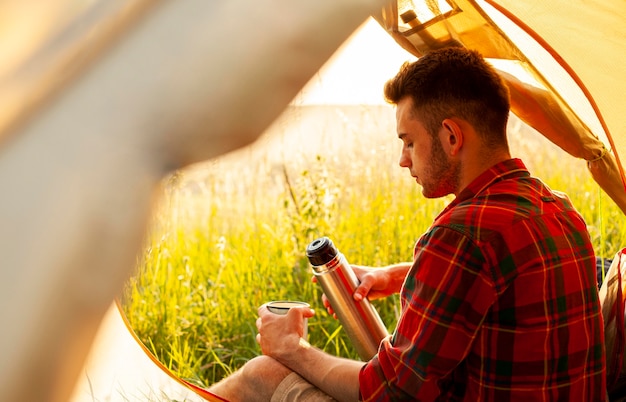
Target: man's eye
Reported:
[(409, 145)]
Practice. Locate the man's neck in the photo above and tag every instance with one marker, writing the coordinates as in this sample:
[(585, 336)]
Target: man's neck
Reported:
[(472, 167)]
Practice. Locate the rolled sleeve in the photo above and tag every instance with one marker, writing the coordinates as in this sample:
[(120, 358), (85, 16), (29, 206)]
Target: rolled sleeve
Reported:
[(445, 298)]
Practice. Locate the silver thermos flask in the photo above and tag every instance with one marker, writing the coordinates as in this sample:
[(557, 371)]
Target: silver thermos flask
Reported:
[(360, 320)]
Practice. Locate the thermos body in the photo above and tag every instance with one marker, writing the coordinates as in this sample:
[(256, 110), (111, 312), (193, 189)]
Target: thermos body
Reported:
[(360, 320)]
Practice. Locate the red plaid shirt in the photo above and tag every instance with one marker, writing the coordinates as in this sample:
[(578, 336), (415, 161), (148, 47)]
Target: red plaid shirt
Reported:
[(501, 303)]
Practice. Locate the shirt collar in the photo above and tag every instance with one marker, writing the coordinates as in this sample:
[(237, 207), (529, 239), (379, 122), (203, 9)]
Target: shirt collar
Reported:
[(500, 171)]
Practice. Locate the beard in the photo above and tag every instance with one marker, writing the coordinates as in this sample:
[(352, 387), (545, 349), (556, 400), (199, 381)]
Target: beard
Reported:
[(442, 176)]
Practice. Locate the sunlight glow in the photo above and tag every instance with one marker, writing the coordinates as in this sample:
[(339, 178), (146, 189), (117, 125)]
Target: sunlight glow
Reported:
[(358, 70)]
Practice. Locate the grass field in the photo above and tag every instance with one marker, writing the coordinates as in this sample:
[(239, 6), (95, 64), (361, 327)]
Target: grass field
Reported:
[(230, 234)]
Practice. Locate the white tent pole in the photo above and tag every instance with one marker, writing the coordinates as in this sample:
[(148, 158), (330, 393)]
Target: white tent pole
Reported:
[(192, 80)]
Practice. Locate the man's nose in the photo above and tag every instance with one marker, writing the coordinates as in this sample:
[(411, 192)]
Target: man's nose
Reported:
[(404, 161)]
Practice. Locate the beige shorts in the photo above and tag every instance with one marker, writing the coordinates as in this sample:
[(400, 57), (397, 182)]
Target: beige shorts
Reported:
[(296, 388)]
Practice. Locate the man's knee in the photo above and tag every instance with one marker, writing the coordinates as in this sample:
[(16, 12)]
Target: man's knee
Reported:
[(255, 381), (264, 371)]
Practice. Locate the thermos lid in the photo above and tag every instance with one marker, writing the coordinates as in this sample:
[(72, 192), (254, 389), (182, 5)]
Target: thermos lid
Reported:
[(321, 251)]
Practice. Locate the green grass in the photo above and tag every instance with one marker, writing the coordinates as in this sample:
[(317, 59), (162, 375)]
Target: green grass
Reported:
[(230, 235)]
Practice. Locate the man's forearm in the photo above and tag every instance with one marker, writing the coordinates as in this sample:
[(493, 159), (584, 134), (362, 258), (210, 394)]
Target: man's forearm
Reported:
[(397, 274), (336, 376)]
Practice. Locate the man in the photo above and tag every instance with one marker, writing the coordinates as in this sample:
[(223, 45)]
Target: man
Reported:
[(500, 302)]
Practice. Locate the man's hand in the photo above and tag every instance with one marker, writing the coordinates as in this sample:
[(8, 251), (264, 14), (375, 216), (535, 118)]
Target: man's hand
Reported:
[(279, 335), (374, 283)]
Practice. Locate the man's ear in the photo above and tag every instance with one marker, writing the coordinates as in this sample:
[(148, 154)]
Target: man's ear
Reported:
[(451, 136)]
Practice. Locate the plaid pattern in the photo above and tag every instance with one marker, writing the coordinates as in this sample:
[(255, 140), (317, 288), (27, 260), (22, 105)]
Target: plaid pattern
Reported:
[(501, 303)]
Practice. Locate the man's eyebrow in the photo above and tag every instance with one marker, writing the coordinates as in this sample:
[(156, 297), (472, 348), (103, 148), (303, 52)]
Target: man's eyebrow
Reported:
[(402, 136)]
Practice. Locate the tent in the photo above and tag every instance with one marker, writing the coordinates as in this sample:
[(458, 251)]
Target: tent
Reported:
[(134, 82)]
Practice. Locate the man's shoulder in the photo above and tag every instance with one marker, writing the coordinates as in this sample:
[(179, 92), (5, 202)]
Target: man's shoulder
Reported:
[(507, 203)]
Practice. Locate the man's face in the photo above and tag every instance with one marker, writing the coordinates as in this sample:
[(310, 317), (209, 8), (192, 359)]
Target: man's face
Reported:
[(424, 155)]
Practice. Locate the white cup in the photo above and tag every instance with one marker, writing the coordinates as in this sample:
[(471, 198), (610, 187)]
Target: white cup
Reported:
[(281, 307)]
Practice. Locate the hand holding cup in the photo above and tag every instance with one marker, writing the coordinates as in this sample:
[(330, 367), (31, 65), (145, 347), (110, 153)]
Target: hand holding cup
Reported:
[(282, 327), (282, 307)]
